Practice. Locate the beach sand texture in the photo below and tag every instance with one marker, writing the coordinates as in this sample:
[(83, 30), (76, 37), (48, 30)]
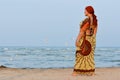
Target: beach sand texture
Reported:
[(56, 74)]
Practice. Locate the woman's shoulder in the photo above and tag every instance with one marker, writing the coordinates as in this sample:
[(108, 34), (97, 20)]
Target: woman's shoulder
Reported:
[(84, 22)]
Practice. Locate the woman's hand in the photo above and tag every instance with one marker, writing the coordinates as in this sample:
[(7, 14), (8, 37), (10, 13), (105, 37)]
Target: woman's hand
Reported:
[(77, 44)]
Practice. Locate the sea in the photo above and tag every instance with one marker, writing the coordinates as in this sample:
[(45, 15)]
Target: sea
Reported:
[(54, 57)]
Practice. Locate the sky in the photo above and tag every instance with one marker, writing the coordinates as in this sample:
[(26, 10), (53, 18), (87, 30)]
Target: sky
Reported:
[(56, 22)]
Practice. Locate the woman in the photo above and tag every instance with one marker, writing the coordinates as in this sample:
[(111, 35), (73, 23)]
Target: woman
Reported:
[(85, 44)]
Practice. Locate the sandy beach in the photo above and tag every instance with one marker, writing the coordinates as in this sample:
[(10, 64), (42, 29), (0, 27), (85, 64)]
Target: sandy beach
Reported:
[(56, 74)]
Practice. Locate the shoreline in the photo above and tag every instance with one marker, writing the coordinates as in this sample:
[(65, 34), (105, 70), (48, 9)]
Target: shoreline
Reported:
[(6, 73), (2, 66)]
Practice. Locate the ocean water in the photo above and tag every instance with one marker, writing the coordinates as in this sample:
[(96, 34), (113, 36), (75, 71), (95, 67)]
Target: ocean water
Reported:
[(54, 57)]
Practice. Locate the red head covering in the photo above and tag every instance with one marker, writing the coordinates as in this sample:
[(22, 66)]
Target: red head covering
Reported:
[(90, 9)]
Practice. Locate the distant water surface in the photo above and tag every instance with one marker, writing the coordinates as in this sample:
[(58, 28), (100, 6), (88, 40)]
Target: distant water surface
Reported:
[(54, 57)]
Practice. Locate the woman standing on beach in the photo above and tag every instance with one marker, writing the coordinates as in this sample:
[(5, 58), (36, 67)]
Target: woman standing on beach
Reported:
[(85, 44)]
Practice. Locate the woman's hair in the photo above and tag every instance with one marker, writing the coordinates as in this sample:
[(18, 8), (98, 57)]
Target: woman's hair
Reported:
[(91, 11)]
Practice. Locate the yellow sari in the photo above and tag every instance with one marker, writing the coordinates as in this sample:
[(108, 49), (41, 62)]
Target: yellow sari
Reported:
[(84, 64)]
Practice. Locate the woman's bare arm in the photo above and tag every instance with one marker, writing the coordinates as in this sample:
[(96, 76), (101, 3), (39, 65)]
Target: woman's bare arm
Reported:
[(81, 33)]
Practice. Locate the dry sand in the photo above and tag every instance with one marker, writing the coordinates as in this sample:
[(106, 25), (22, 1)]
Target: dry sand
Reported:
[(56, 74)]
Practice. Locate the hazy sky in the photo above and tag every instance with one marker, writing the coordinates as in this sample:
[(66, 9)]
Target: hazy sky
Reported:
[(56, 22)]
